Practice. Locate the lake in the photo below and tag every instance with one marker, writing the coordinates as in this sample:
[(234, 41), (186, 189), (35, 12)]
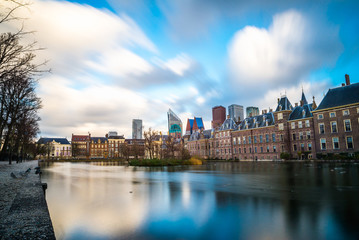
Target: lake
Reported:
[(223, 200)]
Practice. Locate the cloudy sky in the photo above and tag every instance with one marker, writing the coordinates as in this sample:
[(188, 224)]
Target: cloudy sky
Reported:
[(116, 60)]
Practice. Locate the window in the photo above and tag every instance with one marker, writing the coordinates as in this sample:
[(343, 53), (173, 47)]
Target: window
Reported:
[(357, 110), (261, 149), (249, 140), (309, 147), (260, 138), (301, 136), (250, 150), (300, 124), (244, 140), (294, 137), (345, 112), (320, 116), (255, 139), (273, 137), (281, 138), (323, 144), (255, 149), (321, 128), (308, 134), (274, 149), (307, 124), (302, 147), (347, 125), (267, 148), (333, 126), (332, 114), (239, 140), (293, 125), (280, 126), (280, 116), (350, 142), (282, 148), (303, 113), (234, 141), (335, 143), (295, 147), (239, 150), (244, 150), (267, 138)]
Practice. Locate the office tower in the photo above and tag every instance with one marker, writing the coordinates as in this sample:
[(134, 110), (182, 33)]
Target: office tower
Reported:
[(174, 124), (218, 116), (236, 112), (136, 129), (252, 111)]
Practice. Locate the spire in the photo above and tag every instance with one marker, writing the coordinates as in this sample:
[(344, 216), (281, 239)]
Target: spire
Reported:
[(303, 100)]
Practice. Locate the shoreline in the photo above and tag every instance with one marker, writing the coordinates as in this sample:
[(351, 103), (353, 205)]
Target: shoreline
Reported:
[(24, 212)]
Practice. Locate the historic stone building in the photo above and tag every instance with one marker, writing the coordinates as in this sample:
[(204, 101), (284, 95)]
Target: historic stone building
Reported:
[(336, 121), (56, 148), (99, 147)]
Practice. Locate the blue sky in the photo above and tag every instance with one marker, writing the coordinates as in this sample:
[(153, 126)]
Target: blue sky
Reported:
[(116, 60)]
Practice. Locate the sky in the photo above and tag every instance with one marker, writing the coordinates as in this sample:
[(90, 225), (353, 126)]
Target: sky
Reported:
[(117, 60)]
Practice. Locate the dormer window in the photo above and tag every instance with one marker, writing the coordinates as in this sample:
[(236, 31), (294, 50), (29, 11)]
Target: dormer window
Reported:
[(280, 107), (256, 124), (266, 123), (303, 113)]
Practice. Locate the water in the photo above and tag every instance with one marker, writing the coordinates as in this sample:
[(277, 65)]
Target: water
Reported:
[(214, 201)]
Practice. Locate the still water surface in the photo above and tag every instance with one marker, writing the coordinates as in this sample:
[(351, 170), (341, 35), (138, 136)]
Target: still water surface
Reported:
[(214, 201)]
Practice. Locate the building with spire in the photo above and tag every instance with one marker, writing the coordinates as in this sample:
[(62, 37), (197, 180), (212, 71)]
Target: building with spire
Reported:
[(174, 125), (194, 125)]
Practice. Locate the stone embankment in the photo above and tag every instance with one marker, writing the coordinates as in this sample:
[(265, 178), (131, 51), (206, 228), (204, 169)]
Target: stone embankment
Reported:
[(23, 208)]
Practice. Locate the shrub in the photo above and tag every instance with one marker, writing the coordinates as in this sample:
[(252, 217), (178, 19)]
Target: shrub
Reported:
[(285, 155)]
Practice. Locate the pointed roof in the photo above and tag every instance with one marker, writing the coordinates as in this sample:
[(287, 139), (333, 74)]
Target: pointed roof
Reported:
[(303, 100), (58, 140), (284, 105)]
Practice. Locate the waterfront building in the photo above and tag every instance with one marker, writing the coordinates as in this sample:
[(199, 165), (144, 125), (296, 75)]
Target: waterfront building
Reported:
[(99, 147), (80, 146), (115, 143), (301, 130), (252, 111), (194, 125), (136, 129), (174, 125), (336, 121), (218, 116), (236, 112), (223, 139), (57, 148), (200, 143), (134, 148)]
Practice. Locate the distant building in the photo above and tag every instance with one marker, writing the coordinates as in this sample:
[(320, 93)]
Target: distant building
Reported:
[(174, 124), (236, 112), (218, 116), (136, 129), (99, 147), (193, 125), (252, 111), (80, 145), (115, 143), (55, 147)]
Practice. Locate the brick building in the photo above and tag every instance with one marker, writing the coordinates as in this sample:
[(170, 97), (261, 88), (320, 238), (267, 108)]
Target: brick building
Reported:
[(80, 146), (218, 116), (336, 121)]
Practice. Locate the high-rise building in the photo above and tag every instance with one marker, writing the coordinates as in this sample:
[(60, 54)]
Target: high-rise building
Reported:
[(218, 116), (136, 129), (252, 111), (236, 112), (174, 124)]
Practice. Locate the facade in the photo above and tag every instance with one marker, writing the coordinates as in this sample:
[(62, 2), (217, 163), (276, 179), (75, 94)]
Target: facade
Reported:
[(201, 144), (236, 112), (223, 139), (252, 111), (80, 146), (174, 125), (99, 147), (115, 143), (218, 116), (336, 121), (136, 129), (135, 148), (58, 148), (194, 125)]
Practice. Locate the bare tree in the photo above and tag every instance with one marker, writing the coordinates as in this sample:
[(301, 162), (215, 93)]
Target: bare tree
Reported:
[(18, 72), (150, 138)]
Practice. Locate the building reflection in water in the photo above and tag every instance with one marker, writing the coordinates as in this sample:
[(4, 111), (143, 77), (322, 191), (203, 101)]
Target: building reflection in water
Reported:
[(214, 201)]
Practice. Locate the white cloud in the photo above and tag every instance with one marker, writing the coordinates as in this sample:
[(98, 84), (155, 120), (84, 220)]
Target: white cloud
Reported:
[(180, 65), (289, 49)]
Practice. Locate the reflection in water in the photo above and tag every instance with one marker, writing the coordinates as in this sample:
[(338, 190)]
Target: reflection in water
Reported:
[(214, 201)]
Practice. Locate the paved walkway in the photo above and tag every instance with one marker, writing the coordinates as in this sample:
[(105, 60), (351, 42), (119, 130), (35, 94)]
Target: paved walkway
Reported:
[(23, 208)]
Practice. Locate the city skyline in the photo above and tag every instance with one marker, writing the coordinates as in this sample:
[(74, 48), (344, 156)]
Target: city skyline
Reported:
[(114, 61)]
